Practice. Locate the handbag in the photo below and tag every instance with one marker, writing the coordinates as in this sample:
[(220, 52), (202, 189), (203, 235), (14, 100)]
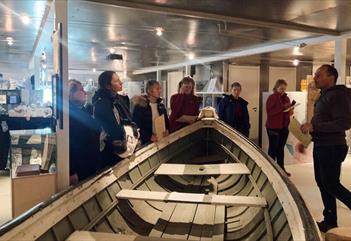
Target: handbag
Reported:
[(125, 148)]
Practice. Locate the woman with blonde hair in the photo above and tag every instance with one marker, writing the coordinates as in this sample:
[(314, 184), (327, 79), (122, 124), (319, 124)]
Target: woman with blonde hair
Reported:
[(278, 119), (184, 103)]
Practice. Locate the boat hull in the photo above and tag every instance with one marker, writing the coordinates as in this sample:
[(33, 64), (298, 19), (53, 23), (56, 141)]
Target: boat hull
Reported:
[(93, 205)]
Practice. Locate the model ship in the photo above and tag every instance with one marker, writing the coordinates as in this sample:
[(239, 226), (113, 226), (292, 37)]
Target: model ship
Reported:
[(204, 182)]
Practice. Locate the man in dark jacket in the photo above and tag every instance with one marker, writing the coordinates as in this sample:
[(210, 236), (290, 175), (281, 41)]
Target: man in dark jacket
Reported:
[(233, 110), (332, 117)]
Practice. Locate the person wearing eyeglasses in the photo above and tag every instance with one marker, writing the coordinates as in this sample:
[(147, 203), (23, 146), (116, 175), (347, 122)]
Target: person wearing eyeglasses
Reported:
[(84, 136)]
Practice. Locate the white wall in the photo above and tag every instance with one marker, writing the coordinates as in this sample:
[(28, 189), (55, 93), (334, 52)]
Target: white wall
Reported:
[(173, 78), (286, 73)]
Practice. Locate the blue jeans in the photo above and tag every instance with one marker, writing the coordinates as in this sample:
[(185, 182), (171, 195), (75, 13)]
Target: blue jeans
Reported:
[(327, 167)]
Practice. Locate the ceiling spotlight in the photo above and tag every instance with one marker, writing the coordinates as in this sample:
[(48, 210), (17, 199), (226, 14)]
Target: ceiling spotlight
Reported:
[(296, 62), (94, 70), (112, 50), (191, 56), (25, 19), (159, 31), (296, 51), (9, 41)]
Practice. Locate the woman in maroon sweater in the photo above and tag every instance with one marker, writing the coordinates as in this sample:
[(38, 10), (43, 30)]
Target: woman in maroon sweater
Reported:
[(278, 121), (183, 103)]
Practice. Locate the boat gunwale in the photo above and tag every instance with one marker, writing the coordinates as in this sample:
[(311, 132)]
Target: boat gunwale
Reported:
[(299, 231), (30, 217)]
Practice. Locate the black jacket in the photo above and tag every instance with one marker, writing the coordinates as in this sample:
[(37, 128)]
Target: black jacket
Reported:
[(234, 112), (332, 116), (5, 142), (84, 136), (104, 102), (142, 116)]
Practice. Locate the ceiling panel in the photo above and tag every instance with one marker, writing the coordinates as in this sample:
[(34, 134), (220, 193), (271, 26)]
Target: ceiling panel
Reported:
[(94, 28), (12, 26)]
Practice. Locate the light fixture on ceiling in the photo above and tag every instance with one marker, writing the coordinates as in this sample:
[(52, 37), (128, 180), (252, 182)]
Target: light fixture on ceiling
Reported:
[(296, 51), (296, 62), (25, 19), (94, 70), (191, 56), (159, 31), (112, 50), (9, 41)]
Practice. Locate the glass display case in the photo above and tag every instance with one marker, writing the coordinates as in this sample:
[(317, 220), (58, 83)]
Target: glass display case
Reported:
[(35, 147)]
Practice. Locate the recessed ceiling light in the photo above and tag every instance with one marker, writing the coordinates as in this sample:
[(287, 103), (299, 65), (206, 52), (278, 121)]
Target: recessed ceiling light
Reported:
[(191, 56), (296, 62), (94, 70), (25, 19), (9, 41), (159, 31), (112, 50)]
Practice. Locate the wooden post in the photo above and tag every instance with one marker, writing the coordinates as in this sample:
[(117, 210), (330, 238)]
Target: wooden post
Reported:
[(63, 133)]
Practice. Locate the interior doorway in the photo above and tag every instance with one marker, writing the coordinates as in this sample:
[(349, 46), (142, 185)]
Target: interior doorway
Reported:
[(248, 77)]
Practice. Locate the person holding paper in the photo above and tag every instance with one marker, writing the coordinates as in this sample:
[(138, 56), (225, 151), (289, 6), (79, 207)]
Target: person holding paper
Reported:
[(232, 109), (331, 118), (184, 105), (147, 110), (277, 123)]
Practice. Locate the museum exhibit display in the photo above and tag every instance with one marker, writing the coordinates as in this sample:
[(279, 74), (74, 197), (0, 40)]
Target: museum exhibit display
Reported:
[(205, 181)]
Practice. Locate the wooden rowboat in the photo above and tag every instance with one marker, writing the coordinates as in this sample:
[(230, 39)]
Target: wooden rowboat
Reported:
[(204, 182)]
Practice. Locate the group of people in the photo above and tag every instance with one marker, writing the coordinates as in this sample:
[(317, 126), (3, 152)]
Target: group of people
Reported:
[(331, 118), (101, 135), (97, 134), (232, 109)]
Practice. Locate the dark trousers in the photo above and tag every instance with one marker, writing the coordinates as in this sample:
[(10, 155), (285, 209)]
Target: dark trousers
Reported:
[(4, 148), (327, 167), (277, 140)]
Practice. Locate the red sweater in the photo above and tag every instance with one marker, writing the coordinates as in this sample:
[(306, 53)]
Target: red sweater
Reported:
[(276, 118), (182, 104)]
